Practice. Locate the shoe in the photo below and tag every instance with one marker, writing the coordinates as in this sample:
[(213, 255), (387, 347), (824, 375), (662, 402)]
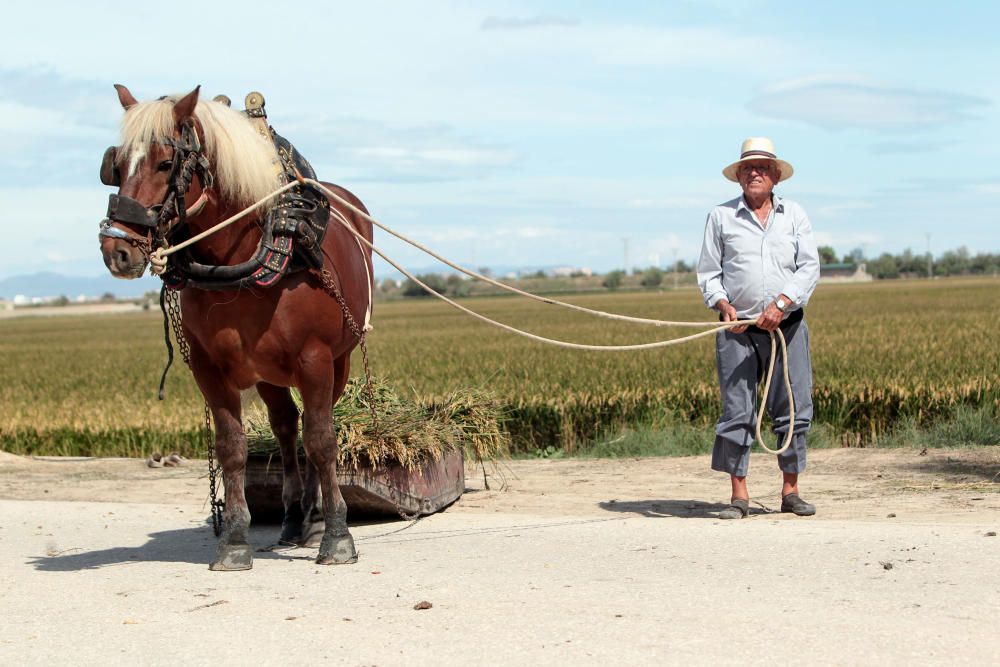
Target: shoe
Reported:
[(738, 508), (792, 503)]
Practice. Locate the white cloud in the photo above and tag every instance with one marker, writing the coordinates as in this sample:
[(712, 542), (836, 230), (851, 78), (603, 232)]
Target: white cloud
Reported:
[(678, 201), (45, 226), (20, 120), (847, 240), (515, 23), (634, 44), (902, 147), (400, 158), (370, 150), (842, 102), (840, 208)]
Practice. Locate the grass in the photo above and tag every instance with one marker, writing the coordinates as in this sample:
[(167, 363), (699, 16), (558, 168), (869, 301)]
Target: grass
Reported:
[(967, 427), (885, 371)]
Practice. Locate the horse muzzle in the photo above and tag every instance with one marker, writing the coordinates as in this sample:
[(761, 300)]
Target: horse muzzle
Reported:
[(123, 259)]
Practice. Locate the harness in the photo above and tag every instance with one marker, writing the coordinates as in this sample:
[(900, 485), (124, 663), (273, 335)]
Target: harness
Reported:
[(292, 231)]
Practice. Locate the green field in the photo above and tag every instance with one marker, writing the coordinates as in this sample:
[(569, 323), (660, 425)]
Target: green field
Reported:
[(884, 353)]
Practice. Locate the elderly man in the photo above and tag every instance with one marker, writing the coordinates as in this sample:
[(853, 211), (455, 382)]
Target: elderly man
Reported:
[(759, 261)]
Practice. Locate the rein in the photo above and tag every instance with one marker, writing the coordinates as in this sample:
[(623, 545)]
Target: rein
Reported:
[(160, 255)]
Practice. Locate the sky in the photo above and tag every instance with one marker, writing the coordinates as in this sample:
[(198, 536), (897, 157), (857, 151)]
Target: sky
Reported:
[(531, 133)]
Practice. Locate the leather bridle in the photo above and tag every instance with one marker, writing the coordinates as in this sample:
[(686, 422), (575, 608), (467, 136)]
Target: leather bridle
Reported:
[(162, 220)]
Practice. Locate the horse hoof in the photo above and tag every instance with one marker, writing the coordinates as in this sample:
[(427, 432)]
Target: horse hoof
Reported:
[(291, 535), (312, 534), (338, 551), (232, 558)]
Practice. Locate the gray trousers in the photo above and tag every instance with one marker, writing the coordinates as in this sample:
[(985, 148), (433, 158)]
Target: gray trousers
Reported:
[(742, 361)]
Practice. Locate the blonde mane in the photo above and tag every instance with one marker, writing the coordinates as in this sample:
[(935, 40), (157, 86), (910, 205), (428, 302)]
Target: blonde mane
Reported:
[(242, 160)]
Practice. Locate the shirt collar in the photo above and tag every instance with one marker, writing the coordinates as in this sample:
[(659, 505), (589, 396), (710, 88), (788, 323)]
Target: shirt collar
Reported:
[(777, 202)]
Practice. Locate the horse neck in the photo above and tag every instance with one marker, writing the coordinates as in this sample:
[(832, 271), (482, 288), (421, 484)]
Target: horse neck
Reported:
[(232, 244)]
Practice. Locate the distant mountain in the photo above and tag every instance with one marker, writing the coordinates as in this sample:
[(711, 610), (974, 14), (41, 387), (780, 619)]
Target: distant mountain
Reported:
[(48, 284)]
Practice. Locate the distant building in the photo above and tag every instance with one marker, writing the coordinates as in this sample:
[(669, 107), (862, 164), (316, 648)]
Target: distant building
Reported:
[(844, 273), (568, 271)]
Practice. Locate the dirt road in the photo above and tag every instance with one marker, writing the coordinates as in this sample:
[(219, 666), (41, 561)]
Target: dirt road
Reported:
[(592, 562)]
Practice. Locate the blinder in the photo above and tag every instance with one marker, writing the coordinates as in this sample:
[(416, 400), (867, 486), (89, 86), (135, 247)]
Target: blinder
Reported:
[(109, 168)]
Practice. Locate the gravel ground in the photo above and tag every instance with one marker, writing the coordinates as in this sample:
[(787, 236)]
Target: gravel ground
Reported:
[(592, 562)]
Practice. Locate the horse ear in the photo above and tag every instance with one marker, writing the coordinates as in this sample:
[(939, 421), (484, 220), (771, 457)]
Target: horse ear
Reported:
[(184, 108), (125, 97)]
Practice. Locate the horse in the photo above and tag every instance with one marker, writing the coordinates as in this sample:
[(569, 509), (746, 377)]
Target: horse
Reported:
[(292, 334)]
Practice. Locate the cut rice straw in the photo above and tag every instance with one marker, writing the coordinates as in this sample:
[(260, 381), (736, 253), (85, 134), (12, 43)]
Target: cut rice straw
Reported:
[(409, 433)]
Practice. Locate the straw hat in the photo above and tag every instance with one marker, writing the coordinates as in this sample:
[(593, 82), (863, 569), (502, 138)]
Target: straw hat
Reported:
[(758, 148)]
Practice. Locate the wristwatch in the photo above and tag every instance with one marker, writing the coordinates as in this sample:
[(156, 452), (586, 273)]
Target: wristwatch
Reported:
[(781, 304)]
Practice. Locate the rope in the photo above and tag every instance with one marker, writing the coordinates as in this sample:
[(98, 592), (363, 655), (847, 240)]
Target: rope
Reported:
[(504, 286), (158, 261), (788, 392)]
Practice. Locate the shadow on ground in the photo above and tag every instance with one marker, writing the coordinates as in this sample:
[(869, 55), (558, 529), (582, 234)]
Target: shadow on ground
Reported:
[(959, 471), (187, 545), (685, 509), (194, 545)]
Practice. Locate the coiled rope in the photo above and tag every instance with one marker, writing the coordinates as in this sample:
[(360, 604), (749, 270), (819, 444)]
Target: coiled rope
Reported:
[(158, 264)]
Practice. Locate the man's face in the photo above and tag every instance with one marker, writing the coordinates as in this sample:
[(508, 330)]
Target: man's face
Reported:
[(757, 177)]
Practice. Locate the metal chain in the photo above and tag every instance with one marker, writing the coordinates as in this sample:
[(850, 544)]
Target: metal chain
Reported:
[(213, 475), (141, 243), (174, 312), (330, 285)]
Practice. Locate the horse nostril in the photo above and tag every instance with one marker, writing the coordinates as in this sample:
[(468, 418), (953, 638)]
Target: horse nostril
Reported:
[(122, 258)]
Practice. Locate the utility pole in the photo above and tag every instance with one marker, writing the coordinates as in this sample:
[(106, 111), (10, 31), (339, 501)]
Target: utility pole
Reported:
[(625, 253), (930, 260)]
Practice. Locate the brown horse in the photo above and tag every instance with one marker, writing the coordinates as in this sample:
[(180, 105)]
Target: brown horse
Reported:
[(291, 334)]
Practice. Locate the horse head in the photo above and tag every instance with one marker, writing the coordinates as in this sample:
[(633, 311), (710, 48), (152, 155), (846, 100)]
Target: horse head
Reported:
[(162, 178)]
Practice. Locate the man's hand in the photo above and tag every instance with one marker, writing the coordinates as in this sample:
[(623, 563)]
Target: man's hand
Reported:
[(771, 317), (729, 315)]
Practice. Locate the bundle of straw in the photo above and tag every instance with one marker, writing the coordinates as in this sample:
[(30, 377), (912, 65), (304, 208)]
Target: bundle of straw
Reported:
[(408, 433)]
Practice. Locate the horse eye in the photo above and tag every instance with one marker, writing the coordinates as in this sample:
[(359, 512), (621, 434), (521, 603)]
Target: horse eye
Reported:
[(164, 166)]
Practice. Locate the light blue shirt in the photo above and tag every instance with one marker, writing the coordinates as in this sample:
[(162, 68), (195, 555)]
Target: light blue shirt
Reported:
[(750, 264)]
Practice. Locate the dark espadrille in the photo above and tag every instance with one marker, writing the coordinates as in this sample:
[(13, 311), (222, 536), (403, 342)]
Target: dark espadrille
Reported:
[(738, 508), (792, 503)]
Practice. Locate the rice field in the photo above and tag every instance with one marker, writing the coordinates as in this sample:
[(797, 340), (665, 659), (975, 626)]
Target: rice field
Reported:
[(882, 353)]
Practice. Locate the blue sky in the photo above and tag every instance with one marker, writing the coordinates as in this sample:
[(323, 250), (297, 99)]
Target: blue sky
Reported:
[(541, 133)]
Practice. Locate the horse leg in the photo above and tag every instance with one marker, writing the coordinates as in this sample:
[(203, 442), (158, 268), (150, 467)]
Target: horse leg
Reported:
[(319, 390), (284, 418), (233, 552), (314, 525), (223, 399)]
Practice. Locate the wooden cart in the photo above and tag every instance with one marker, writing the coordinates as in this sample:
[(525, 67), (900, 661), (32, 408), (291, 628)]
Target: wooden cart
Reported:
[(385, 491)]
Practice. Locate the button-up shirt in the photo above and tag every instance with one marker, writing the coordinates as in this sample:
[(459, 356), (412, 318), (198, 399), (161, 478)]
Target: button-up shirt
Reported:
[(750, 264)]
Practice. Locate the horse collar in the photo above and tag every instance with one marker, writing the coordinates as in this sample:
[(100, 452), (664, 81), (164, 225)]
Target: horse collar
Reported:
[(291, 240)]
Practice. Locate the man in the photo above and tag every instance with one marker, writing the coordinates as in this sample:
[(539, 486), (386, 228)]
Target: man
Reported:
[(759, 261)]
